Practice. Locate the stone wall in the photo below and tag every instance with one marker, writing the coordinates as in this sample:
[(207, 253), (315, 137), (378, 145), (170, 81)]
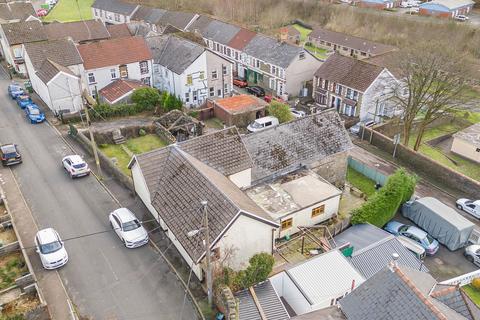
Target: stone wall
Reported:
[(333, 168), (226, 302), (11, 247), (106, 137), (164, 134)]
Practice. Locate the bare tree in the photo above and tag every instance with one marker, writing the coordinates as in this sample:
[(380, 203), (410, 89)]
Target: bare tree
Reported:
[(432, 84)]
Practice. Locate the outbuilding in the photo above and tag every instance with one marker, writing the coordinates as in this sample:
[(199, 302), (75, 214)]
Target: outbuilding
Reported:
[(446, 8), (466, 143), (238, 110)]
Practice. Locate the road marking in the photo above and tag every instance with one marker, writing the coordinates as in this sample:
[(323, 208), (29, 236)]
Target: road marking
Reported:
[(109, 265)]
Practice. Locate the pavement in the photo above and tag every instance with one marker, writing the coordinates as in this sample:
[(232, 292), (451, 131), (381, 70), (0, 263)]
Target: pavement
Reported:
[(103, 279)]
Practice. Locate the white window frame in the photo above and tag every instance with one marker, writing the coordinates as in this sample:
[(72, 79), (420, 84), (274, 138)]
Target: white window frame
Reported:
[(143, 67), (91, 78), (214, 74), (113, 74)]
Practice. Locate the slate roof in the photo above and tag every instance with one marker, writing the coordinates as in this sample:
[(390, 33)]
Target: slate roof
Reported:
[(330, 313), (454, 297), (174, 53), (177, 19), (138, 28), (49, 69), (119, 88), (62, 52), (348, 71), (79, 30), (272, 51), (241, 39), (289, 146), (268, 299), (115, 6), (349, 41), (114, 52), (148, 14), (373, 249), (200, 24), (118, 31), (220, 32), (470, 134), (24, 32), (16, 11)]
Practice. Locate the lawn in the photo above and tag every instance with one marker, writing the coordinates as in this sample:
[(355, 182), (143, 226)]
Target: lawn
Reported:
[(320, 53), (12, 267), (67, 11), (473, 293), (304, 32), (361, 182), (135, 145)]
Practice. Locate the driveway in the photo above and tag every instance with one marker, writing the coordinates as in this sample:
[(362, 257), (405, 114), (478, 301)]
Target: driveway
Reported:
[(104, 279)]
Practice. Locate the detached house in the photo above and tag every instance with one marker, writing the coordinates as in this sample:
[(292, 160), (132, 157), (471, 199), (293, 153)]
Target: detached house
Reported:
[(14, 35), (113, 11), (354, 88), (109, 60), (189, 70)]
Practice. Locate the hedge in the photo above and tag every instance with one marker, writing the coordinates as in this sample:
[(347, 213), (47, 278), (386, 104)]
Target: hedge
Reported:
[(384, 204), (103, 111)]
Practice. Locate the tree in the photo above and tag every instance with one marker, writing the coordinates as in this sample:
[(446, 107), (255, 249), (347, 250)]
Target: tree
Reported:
[(260, 266), (280, 111), (148, 98), (432, 83)]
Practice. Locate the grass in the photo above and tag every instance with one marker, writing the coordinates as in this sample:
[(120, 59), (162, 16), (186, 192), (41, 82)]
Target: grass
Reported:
[(137, 145), (320, 53), (473, 293), (67, 11), (304, 32), (214, 123), (361, 182), (472, 117), (11, 268)]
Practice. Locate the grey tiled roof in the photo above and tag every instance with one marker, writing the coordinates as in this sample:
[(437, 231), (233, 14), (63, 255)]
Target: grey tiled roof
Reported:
[(288, 146), (174, 53), (454, 300), (16, 11), (330, 313), (272, 51), (79, 30), (177, 19), (115, 6), (268, 299), (24, 32), (62, 52), (220, 32), (148, 14), (50, 69), (200, 24), (373, 249)]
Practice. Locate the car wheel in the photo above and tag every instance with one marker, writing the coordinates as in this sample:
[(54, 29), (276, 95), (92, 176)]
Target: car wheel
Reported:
[(124, 243), (71, 175), (459, 206), (470, 258)]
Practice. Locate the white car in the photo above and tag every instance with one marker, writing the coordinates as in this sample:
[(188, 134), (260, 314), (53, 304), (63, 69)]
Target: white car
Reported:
[(461, 17), (128, 228), (298, 113), (75, 166), (469, 206), (472, 253), (262, 124), (51, 249), (355, 129)]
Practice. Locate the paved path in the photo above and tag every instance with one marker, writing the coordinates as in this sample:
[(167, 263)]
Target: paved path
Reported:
[(104, 279)]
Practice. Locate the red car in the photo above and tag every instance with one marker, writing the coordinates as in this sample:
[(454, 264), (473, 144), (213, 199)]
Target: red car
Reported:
[(270, 98), (240, 83), (42, 12)]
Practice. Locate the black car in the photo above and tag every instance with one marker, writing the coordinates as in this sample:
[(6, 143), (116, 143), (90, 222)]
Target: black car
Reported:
[(10, 155), (256, 91)]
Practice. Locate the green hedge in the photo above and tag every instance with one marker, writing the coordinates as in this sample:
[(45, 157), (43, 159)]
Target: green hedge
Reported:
[(103, 111), (383, 205)]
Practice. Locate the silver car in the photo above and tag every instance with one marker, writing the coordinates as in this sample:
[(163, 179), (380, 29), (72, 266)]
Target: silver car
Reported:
[(128, 228), (472, 253)]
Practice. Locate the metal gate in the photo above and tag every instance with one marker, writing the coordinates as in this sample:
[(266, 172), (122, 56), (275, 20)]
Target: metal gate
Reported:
[(367, 171)]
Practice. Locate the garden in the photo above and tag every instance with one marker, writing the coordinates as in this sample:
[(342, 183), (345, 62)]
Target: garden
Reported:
[(12, 266), (70, 10), (320, 53)]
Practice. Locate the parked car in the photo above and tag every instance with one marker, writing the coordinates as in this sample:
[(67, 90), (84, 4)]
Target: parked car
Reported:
[(24, 100), (33, 114), (75, 166), (357, 127), (51, 249), (472, 253), (262, 124), (128, 228), (240, 83), (15, 90), (42, 12), (461, 17), (10, 155), (469, 206), (256, 91), (416, 234), (414, 10), (269, 98), (298, 113)]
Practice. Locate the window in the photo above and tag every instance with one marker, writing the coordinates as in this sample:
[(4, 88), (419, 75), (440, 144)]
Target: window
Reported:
[(318, 211), (117, 17), (195, 95), (189, 80), (214, 74), (229, 53), (363, 54), (257, 63), (17, 52), (219, 92), (273, 70), (212, 91), (123, 71), (217, 47), (91, 78), (236, 55), (113, 73), (339, 89), (96, 13), (202, 75), (187, 97), (225, 89), (143, 67), (355, 95), (224, 70), (349, 93), (301, 56), (156, 68), (146, 81), (272, 84), (286, 224)]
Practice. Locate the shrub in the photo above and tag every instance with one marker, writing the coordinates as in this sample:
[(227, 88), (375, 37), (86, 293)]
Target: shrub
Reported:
[(476, 283), (142, 132), (103, 111), (280, 111), (382, 206), (147, 98)]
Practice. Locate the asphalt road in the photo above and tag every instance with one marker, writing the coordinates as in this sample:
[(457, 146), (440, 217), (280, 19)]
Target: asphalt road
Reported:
[(104, 279)]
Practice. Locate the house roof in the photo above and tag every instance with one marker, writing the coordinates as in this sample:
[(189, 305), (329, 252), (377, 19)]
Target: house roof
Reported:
[(291, 30), (63, 52), (114, 52), (220, 31), (267, 298), (200, 24), (373, 249), (241, 39), (349, 41), (49, 69), (115, 6), (118, 30), (177, 19), (330, 313), (395, 292), (450, 4), (289, 146), (79, 30), (326, 275), (174, 53), (148, 14), (24, 32), (456, 299), (139, 28), (241, 103), (16, 11), (272, 51), (119, 88), (348, 71), (470, 134)]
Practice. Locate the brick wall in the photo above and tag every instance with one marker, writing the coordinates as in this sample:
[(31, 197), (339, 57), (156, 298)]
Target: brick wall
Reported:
[(333, 168)]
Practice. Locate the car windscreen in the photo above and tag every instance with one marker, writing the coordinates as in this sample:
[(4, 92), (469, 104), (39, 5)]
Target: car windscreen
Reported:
[(131, 225), (403, 228), (256, 125), (50, 247), (34, 111), (429, 239), (9, 151), (79, 165)]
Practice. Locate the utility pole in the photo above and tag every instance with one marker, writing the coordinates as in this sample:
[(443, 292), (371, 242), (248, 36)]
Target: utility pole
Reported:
[(92, 140), (207, 256)]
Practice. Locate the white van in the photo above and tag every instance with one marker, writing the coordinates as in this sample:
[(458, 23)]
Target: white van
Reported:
[(413, 246), (262, 124)]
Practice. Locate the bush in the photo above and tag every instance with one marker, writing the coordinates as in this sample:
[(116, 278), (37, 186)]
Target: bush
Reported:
[(103, 111), (280, 111), (142, 132), (383, 205), (476, 283), (147, 98)]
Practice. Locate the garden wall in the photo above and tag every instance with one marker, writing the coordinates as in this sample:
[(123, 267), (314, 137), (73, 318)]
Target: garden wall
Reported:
[(420, 163), (106, 136)]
